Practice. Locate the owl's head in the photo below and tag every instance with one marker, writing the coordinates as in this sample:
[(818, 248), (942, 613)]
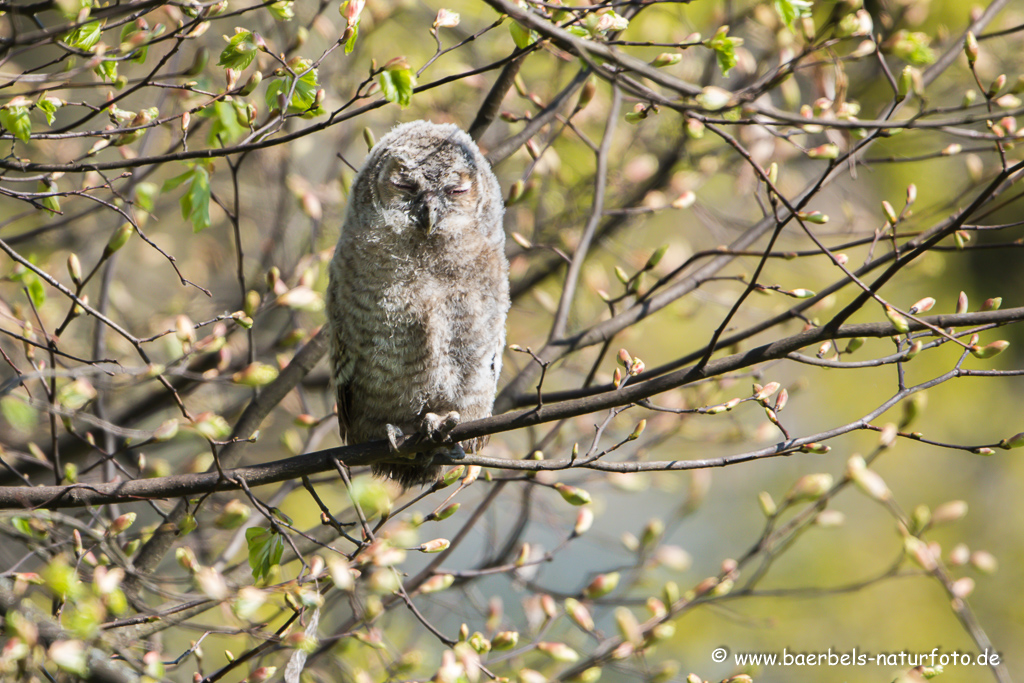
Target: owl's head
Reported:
[(430, 180)]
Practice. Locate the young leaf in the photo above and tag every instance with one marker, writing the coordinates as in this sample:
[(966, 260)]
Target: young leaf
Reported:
[(33, 284), (240, 52), (225, 128), (265, 550), (195, 203), (52, 203), (84, 37), (18, 414), (725, 49), (14, 117), (913, 47), (49, 107), (397, 82), (107, 70), (145, 195), (304, 98), (791, 10), (198, 196), (283, 10), (522, 36), (353, 33)]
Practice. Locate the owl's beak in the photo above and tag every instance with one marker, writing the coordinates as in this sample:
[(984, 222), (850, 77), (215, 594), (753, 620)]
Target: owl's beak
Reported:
[(426, 214)]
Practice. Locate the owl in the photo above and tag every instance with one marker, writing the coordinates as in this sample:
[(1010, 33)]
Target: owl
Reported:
[(418, 296)]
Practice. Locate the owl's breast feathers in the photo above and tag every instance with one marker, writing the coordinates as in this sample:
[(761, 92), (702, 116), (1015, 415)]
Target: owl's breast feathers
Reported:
[(422, 332)]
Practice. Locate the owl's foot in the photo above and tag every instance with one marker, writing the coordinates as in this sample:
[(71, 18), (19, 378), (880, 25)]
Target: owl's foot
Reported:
[(432, 429), (436, 428)]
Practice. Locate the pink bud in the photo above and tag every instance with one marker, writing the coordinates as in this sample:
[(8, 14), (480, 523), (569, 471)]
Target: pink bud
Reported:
[(352, 9), (961, 303), (923, 305)]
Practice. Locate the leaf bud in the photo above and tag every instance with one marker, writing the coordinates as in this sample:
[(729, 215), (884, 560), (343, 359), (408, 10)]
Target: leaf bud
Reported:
[(997, 85), (810, 487), (922, 306), (899, 322), (992, 304), (667, 59), (602, 585), (826, 151), (251, 83), (505, 640), (961, 303), (890, 213), (971, 48), (118, 239), (75, 269), (1015, 441), (572, 494), (990, 350), (586, 94)]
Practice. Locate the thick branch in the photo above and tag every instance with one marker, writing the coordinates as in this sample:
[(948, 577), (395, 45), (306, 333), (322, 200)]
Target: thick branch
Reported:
[(364, 454)]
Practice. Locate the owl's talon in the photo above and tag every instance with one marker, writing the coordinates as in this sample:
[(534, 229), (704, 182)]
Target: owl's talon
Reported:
[(436, 428), (394, 434)]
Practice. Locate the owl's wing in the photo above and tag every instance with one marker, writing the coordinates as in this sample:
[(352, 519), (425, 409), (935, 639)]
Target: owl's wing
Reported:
[(341, 370), (344, 400)]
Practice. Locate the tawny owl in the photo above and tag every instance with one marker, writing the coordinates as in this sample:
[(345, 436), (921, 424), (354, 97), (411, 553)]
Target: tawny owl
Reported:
[(418, 294)]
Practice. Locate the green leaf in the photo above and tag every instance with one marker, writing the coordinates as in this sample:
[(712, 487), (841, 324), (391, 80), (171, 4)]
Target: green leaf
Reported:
[(177, 180), (107, 70), (240, 52), (913, 48), (71, 9), (283, 10), (265, 550), (36, 292), (397, 82), (225, 128), (791, 10), (15, 119), (49, 107), (32, 283), (195, 203), (18, 414), (22, 525), (52, 203), (725, 49), (199, 200), (350, 44), (304, 96), (128, 32), (145, 195), (141, 54), (85, 36), (521, 36)]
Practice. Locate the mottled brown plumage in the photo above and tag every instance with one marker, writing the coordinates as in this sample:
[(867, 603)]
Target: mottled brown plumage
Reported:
[(418, 294)]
